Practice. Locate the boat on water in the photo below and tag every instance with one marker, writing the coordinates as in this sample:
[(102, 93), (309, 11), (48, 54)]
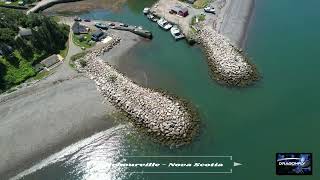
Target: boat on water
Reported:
[(146, 10), (143, 33), (152, 17), (176, 33), (101, 26), (164, 24)]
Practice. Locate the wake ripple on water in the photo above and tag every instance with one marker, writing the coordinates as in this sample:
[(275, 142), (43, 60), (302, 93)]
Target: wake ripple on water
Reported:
[(90, 157)]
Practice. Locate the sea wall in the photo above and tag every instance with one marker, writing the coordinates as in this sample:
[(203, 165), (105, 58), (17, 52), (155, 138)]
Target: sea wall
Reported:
[(166, 118), (228, 65)]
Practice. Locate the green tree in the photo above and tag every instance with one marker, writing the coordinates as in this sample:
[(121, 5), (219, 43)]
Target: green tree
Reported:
[(7, 36), (3, 70)]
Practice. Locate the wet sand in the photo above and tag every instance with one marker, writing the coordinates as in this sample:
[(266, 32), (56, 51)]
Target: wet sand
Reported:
[(39, 120), (86, 5)]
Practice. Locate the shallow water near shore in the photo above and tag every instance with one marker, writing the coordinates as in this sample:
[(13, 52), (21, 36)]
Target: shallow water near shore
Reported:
[(279, 114)]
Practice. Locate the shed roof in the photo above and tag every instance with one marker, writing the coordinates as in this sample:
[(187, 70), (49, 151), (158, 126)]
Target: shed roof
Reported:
[(97, 33), (4, 48), (49, 61), (77, 28), (179, 8), (25, 32)]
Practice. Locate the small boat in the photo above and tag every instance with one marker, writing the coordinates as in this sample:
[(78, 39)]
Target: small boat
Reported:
[(143, 33), (152, 17), (176, 33), (164, 24), (146, 10), (101, 26), (155, 19)]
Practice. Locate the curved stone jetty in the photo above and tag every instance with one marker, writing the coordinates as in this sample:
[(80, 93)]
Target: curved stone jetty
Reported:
[(228, 64), (168, 119)]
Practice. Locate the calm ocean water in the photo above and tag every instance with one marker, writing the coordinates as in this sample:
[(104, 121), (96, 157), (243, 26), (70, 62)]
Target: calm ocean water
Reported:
[(280, 114)]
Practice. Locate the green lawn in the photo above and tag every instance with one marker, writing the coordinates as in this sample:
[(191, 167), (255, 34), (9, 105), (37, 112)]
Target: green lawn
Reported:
[(56, 18), (82, 42), (19, 72), (42, 75), (201, 3)]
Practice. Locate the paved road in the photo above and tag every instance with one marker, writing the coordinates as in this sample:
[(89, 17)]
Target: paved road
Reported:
[(64, 70)]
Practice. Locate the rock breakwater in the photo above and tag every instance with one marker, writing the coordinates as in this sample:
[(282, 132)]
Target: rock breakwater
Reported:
[(166, 118), (228, 64)]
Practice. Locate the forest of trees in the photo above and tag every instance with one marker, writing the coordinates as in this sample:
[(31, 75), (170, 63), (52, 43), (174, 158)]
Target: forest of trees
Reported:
[(20, 54)]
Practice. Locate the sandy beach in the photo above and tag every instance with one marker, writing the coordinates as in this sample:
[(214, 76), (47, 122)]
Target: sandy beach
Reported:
[(234, 20), (61, 109), (34, 125)]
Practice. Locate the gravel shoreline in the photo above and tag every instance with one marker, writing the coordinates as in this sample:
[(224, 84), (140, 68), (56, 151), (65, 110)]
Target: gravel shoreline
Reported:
[(228, 64), (46, 118)]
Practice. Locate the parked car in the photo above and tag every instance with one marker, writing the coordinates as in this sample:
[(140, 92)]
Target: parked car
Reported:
[(111, 24), (209, 9), (77, 19), (123, 25)]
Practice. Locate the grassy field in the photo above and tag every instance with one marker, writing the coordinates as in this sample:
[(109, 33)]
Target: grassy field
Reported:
[(75, 57), (200, 17), (17, 71), (42, 75), (201, 3), (84, 41)]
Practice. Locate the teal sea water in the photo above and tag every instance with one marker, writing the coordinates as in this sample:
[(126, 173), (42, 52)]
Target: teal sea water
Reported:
[(279, 114)]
